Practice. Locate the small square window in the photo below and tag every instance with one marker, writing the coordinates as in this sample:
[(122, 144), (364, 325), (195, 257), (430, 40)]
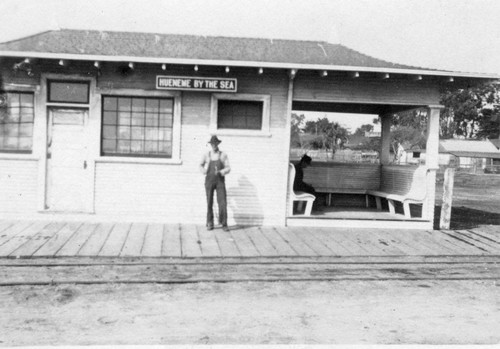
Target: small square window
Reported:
[(240, 114)]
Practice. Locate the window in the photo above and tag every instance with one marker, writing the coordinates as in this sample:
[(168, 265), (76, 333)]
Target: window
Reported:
[(137, 126), (16, 122), (68, 91), (240, 114), (246, 115)]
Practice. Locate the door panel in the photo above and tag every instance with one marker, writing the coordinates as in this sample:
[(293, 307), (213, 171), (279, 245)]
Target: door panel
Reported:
[(68, 188)]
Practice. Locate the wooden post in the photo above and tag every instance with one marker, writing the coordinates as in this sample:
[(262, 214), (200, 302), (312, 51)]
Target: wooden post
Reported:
[(385, 146), (449, 175)]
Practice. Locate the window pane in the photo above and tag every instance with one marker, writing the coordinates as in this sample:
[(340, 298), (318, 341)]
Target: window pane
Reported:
[(110, 103), (136, 146), (123, 146), (152, 105), (110, 118), (68, 92), (109, 146), (137, 119), (26, 130), (151, 147), (166, 120), (151, 120), (138, 104), (109, 132), (124, 104), (240, 114), (137, 133), (124, 132), (26, 100), (25, 143)]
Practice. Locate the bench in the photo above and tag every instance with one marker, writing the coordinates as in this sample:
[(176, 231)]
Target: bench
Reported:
[(299, 196), (405, 184), (343, 178)]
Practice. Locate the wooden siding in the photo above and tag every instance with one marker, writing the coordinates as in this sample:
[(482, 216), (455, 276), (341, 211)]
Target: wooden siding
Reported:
[(175, 193), (330, 89), (18, 185)]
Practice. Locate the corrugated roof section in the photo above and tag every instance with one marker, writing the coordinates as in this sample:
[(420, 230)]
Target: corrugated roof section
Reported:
[(130, 44)]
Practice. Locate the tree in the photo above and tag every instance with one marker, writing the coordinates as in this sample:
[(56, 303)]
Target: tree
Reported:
[(330, 135), (360, 131), (296, 130), (471, 112)]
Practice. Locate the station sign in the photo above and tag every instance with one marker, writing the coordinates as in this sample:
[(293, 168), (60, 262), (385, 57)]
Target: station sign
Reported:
[(196, 83)]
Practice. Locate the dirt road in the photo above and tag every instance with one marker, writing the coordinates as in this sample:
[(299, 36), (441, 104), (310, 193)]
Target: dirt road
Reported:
[(354, 312)]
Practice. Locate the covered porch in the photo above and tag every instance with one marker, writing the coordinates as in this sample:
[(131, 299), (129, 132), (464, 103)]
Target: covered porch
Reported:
[(377, 194)]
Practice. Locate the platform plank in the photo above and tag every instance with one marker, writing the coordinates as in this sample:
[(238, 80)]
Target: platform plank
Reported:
[(325, 235), (245, 245), (171, 246), (473, 241), (261, 243), (334, 237), (116, 239), (153, 241), (295, 242), (389, 245), (209, 245), (38, 240), (282, 247), (422, 243), (190, 241), (58, 240), (16, 229), (77, 240), (226, 243), (318, 245), (5, 225), (459, 248), (135, 240), (96, 241), (19, 234), (488, 233)]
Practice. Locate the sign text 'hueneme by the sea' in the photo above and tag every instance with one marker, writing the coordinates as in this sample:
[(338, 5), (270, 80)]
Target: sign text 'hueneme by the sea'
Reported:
[(196, 83)]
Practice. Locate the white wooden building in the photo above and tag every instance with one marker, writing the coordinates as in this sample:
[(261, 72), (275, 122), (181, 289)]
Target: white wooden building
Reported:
[(112, 125)]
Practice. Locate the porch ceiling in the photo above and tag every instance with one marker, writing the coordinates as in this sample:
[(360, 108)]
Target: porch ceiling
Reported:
[(355, 108)]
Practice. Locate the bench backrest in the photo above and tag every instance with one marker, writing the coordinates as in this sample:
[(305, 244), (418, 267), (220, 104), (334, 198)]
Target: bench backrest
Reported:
[(410, 181), (343, 175)]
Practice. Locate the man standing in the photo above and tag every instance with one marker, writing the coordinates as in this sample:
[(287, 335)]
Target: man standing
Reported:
[(215, 166)]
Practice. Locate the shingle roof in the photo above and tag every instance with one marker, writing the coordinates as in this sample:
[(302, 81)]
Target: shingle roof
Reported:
[(191, 47)]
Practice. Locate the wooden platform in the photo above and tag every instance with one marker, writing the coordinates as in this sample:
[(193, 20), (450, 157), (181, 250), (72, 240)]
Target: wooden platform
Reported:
[(54, 239)]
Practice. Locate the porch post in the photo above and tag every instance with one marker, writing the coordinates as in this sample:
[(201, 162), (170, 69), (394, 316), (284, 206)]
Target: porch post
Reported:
[(385, 146), (431, 160), (288, 130)]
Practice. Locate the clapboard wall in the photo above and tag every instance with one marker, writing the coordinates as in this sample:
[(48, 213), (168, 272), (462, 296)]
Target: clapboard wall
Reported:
[(175, 192)]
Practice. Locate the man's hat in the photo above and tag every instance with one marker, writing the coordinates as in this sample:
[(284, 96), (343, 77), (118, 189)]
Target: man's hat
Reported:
[(214, 140)]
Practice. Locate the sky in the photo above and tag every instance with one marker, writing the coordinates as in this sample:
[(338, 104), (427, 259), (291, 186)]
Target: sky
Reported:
[(457, 35)]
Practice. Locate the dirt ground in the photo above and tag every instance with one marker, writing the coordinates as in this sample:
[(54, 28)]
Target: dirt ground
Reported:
[(476, 200), (347, 312)]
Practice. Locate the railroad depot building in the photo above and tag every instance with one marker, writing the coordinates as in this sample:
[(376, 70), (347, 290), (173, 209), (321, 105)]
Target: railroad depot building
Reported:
[(112, 125)]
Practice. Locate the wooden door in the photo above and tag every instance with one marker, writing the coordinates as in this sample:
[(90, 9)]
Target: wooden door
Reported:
[(68, 176)]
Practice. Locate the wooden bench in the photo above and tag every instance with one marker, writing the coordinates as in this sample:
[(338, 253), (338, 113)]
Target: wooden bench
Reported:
[(343, 178), (405, 184), (299, 196)]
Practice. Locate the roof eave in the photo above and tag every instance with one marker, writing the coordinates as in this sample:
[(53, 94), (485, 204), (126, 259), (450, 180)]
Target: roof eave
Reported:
[(232, 63)]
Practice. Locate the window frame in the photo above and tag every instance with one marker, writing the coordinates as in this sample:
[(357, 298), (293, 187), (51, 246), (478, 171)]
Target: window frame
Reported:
[(266, 115), (139, 158), (17, 151)]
